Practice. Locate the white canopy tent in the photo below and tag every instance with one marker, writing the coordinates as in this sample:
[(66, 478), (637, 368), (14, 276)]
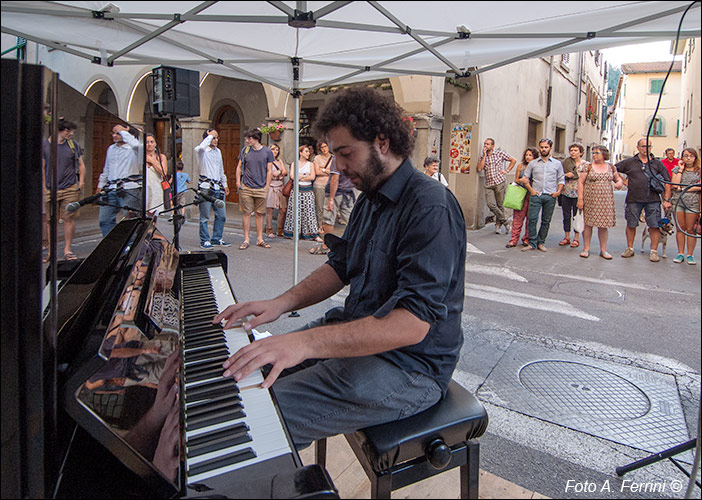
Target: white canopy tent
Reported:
[(302, 46)]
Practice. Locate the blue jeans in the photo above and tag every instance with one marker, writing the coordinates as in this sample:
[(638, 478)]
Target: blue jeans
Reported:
[(107, 217), (546, 203), (220, 218), (323, 398)]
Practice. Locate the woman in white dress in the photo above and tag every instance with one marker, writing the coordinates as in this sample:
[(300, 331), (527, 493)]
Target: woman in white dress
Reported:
[(156, 171), (309, 230)]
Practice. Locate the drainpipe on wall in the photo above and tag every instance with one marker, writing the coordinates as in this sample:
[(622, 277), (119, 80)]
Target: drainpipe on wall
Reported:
[(578, 98), (549, 93)]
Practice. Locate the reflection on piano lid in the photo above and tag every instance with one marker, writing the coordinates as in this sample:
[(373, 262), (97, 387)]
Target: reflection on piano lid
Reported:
[(143, 373)]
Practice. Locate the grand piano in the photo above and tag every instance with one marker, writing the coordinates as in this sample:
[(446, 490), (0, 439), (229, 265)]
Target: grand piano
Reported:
[(143, 408)]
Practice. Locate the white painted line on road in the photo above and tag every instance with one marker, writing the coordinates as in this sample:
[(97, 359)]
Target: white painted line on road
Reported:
[(613, 283), (473, 249), (502, 272), (507, 297)]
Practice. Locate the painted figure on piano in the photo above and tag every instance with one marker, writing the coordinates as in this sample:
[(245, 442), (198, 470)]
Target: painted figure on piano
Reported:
[(390, 351)]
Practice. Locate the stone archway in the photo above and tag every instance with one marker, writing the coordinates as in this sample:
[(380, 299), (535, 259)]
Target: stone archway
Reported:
[(228, 125)]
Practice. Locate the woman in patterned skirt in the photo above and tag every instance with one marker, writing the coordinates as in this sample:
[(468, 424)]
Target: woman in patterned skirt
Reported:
[(309, 230), (596, 199)]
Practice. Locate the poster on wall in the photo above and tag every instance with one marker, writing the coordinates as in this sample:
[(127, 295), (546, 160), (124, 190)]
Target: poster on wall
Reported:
[(461, 135)]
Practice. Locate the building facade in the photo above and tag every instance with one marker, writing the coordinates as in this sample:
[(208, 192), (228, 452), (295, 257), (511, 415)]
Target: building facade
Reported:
[(690, 105), (642, 87), (559, 97)]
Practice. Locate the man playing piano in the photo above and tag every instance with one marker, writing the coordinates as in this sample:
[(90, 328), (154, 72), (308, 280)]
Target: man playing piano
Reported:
[(390, 351)]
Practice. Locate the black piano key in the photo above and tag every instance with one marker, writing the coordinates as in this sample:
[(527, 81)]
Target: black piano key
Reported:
[(195, 365), (208, 340), (192, 354), (231, 438), (204, 374), (218, 383), (213, 435), (202, 331), (216, 463), (211, 394), (212, 402), (209, 406), (197, 356), (206, 420), (198, 323), (196, 368), (208, 312)]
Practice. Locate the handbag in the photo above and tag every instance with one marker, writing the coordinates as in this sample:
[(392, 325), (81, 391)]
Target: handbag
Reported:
[(514, 197), (288, 187), (579, 222), (167, 195)]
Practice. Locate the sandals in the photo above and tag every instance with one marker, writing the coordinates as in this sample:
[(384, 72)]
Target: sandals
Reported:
[(70, 256), (564, 242), (263, 244), (575, 244), (244, 245), (510, 245), (270, 232), (605, 255), (319, 250), (585, 254)]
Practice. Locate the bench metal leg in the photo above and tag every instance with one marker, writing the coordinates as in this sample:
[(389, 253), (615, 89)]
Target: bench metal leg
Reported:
[(320, 452), (470, 472)]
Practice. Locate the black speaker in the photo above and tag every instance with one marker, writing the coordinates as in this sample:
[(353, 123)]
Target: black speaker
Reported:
[(176, 91)]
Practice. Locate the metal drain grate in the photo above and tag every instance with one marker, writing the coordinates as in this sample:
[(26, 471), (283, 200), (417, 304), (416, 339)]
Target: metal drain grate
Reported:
[(584, 390)]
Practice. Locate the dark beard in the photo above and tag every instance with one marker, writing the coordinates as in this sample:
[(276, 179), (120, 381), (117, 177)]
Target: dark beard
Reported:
[(373, 174)]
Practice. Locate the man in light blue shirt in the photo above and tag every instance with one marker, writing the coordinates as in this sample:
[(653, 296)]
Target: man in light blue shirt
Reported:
[(544, 179)]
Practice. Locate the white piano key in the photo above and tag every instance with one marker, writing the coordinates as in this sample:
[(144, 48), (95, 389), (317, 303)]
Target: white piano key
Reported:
[(266, 430)]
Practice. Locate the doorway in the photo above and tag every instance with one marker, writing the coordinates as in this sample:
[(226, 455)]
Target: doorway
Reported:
[(228, 126)]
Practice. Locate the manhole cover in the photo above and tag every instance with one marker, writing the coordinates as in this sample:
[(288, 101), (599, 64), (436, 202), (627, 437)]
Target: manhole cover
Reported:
[(584, 390)]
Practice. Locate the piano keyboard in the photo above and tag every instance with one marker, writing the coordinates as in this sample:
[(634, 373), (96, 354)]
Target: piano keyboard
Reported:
[(228, 425)]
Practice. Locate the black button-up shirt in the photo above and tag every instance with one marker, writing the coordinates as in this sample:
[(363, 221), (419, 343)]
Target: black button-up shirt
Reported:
[(405, 246)]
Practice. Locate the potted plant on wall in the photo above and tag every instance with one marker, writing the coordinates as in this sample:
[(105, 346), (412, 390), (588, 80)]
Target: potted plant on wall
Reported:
[(274, 130)]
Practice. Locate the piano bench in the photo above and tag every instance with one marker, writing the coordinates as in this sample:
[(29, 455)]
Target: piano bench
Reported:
[(403, 452)]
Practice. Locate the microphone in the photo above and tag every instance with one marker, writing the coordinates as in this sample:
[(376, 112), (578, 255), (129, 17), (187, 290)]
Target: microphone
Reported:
[(75, 205), (211, 199)]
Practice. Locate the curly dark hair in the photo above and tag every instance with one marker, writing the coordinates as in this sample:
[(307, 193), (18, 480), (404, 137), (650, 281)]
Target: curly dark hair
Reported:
[(534, 154), (367, 115)]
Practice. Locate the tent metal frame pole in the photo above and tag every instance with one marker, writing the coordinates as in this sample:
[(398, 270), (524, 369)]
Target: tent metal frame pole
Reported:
[(296, 189)]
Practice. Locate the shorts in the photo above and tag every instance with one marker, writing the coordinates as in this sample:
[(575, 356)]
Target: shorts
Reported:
[(180, 198), (341, 206), (64, 197), (652, 210), (252, 200)]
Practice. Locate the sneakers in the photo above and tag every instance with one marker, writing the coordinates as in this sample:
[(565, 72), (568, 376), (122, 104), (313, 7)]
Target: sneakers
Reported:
[(497, 228), (653, 256), (679, 258), (541, 248), (629, 252), (508, 226), (206, 245), (221, 243), (691, 260)]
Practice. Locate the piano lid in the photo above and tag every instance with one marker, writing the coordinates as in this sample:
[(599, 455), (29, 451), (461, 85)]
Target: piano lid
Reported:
[(125, 391)]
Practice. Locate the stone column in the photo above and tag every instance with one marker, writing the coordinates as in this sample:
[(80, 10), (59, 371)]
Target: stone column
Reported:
[(191, 135)]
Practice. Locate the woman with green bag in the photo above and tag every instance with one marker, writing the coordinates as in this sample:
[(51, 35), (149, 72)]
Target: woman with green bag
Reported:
[(519, 216)]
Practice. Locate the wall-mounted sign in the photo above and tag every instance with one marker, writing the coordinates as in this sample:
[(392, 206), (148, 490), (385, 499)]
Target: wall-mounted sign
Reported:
[(461, 135)]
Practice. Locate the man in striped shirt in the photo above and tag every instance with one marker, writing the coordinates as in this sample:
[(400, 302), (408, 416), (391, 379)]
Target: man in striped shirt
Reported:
[(493, 163)]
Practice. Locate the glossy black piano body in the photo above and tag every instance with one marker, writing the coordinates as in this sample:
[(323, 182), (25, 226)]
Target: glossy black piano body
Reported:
[(125, 358)]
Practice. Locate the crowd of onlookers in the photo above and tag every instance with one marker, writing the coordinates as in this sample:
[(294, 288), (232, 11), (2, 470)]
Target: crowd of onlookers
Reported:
[(661, 190)]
